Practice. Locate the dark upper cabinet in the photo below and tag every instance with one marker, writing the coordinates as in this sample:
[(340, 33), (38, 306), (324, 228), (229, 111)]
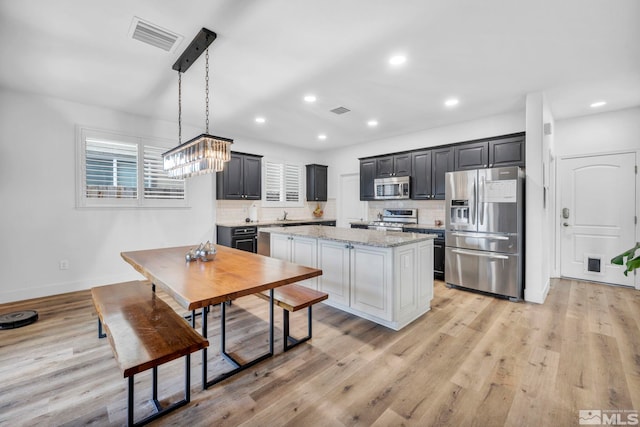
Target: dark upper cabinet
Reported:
[(429, 168), (473, 155), (441, 163), (506, 152), (491, 153), (316, 183), (241, 178), (367, 176), (394, 165), (421, 187)]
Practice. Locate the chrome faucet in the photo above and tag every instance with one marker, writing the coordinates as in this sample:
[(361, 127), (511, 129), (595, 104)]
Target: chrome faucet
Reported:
[(284, 217)]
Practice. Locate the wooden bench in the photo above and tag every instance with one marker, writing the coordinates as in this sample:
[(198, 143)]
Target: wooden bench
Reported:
[(144, 332), (293, 298)]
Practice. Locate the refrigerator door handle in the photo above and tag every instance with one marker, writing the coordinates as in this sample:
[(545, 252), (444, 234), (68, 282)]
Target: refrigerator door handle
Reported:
[(474, 204), (479, 254), (481, 204), (479, 236)]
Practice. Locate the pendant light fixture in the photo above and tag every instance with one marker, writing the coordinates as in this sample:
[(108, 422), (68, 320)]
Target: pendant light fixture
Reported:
[(205, 153)]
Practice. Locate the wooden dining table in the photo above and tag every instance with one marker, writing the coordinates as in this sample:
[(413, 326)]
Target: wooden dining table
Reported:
[(199, 284)]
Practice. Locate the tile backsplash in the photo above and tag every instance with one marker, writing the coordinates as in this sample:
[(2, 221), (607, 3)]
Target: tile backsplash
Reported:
[(428, 210), (238, 210)]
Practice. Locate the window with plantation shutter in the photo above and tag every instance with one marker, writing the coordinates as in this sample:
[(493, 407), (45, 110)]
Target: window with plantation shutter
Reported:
[(111, 169), (157, 185), (124, 171), (283, 184)]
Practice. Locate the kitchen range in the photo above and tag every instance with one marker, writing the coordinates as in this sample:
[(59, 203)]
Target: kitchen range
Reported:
[(394, 219), (484, 230)]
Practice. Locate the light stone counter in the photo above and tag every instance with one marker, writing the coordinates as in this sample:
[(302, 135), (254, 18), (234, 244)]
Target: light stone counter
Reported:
[(277, 222), (382, 276), (406, 226), (382, 239)]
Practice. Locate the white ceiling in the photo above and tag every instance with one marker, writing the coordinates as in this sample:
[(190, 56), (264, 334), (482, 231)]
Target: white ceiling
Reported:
[(270, 53)]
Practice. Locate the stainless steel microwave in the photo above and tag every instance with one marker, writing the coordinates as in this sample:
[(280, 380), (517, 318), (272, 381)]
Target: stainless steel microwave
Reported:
[(391, 188)]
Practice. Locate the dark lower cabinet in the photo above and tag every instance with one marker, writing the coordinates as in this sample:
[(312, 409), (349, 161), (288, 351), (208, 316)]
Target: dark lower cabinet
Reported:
[(438, 259), (243, 238), (438, 249)]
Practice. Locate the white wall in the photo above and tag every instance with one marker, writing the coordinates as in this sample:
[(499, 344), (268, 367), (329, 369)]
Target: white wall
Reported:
[(599, 133), (539, 227), (39, 223)]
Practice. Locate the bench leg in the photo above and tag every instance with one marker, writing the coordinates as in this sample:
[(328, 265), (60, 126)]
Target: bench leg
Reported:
[(238, 366), (287, 338), (160, 411), (101, 334)]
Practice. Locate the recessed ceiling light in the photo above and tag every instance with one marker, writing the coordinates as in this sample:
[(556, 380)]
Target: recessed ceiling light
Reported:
[(452, 102), (310, 98), (322, 137), (598, 104), (397, 60), (372, 123), (260, 120)]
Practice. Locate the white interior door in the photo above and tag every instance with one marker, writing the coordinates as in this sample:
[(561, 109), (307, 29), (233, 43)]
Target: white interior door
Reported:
[(597, 216), (350, 208)]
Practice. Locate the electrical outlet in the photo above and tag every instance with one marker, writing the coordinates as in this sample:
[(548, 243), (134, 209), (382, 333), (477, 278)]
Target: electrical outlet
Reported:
[(63, 264)]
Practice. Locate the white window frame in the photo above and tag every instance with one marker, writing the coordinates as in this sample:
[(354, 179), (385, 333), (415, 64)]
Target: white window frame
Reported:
[(283, 203), (82, 201)]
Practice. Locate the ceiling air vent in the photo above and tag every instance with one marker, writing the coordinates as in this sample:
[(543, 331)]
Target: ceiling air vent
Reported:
[(149, 33), (340, 110)]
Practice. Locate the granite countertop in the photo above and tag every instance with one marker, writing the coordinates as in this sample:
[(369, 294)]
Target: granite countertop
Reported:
[(384, 239), (410, 226), (267, 223)]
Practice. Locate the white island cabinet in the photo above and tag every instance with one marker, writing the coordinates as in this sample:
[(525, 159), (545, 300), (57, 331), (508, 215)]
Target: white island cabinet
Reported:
[(299, 250), (386, 277)]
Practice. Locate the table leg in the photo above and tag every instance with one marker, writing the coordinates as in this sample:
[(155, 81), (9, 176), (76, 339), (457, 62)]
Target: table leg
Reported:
[(238, 366), (204, 350)]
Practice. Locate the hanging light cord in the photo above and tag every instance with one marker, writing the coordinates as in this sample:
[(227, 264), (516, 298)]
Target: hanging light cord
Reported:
[(179, 107), (206, 81)]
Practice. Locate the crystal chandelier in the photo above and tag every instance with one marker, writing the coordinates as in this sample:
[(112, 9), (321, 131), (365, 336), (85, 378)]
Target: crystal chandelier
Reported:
[(205, 153)]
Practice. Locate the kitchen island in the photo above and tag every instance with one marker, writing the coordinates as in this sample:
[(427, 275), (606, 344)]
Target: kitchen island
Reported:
[(382, 276)]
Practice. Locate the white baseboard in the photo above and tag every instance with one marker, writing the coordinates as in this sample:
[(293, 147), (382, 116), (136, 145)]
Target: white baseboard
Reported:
[(63, 288), (537, 295)]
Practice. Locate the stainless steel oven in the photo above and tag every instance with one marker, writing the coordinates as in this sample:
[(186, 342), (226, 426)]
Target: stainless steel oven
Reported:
[(392, 188), (394, 219)]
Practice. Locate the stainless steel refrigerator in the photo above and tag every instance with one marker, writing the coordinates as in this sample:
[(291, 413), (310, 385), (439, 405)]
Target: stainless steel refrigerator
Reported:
[(484, 237)]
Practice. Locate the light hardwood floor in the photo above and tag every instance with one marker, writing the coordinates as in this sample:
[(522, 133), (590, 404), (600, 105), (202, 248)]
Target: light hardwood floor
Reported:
[(472, 360)]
